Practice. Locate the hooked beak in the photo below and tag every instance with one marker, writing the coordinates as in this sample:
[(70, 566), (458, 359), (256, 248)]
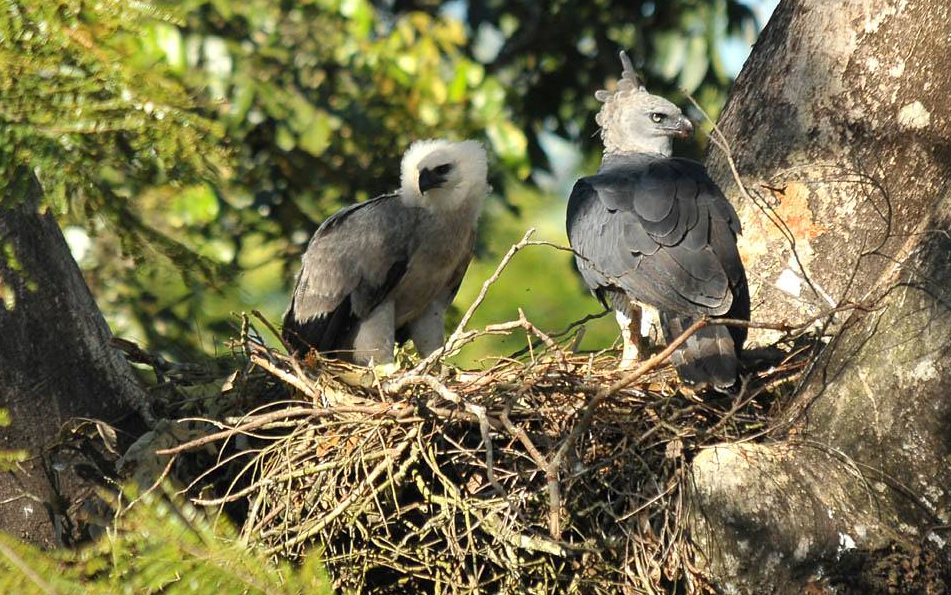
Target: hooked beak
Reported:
[(682, 127), (428, 179)]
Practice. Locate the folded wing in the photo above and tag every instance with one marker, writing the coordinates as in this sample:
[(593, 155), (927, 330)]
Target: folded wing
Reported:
[(658, 230), (352, 263)]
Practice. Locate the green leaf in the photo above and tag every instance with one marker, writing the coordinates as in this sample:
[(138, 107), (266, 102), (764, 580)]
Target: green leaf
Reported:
[(360, 14), (407, 63), (510, 145), (284, 138), (194, 205), (10, 458), (169, 40), (242, 99), (459, 83), (489, 99), (437, 89), (223, 7), (159, 545), (317, 135), (696, 65), (670, 51)]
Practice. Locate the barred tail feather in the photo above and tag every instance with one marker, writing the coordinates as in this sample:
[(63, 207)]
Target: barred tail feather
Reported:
[(709, 356)]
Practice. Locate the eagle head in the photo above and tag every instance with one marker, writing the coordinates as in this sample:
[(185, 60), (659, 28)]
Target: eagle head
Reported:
[(441, 174), (633, 120)]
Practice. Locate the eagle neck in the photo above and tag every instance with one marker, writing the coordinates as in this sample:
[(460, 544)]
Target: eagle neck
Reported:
[(615, 158)]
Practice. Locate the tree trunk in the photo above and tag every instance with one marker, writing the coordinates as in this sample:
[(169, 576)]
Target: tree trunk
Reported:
[(840, 124), (55, 364)]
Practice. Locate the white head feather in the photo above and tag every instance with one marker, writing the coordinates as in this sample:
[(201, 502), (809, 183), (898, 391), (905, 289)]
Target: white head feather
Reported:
[(464, 184), (634, 121)]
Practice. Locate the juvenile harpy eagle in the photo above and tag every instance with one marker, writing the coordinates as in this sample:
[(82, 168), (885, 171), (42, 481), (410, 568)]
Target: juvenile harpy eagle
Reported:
[(385, 270), (654, 230)]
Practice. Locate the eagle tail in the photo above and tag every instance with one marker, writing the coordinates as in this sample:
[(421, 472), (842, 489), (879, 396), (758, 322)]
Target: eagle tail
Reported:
[(323, 333), (295, 335), (709, 356)]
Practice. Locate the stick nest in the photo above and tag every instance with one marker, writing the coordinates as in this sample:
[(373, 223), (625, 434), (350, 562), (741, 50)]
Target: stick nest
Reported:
[(548, 473)]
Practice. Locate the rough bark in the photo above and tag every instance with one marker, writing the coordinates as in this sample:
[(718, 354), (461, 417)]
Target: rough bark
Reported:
[(55, 364), (841, 125)]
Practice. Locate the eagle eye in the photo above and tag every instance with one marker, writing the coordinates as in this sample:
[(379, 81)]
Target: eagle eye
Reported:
[(657, 117), (443, 169)]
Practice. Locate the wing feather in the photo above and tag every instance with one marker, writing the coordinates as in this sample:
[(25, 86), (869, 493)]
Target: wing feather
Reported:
[(352, 262), (662, 231)]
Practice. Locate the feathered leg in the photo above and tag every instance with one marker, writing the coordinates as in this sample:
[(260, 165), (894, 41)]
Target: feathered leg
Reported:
[(428, 332), (376, 336), (707, 357), (629, 320)]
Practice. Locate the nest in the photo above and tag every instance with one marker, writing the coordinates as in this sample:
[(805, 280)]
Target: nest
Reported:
[(551, 472)]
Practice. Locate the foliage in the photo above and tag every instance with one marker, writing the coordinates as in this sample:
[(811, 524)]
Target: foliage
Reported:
[(96, 125), (9, 458), (320, 97), (119, 108), (552, 56), (81, 114), (156, 547)]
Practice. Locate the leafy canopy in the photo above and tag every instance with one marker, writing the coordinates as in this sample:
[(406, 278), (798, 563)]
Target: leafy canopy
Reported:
[(77, 110), (302, 106)]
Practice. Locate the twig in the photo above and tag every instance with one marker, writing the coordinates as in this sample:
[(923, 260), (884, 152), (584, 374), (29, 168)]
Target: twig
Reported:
[(295, 381), (155, 484), (257, 422), (454, 338), (485, 422), (519, 434), (270, 327), (346, 502), (548, 341), (789, 328), (590, 408)]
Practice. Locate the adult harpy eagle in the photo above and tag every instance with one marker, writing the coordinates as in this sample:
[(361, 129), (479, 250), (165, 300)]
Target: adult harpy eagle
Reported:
[(385, 270), (654, 230)]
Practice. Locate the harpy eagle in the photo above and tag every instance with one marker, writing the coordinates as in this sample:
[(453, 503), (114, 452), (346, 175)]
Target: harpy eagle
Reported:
[(385, 270), (655, 231)]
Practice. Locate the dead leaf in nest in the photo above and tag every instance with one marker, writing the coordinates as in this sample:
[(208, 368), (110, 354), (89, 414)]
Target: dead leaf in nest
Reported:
[(474, 484), (674, 449), (140, 461), (688, 391), (229, 383), (92, 428), (357, 378), (108, 435), (326, 445)]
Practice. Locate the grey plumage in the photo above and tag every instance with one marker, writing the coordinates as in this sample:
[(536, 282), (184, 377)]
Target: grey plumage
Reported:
[(384, 271), (655, 230)]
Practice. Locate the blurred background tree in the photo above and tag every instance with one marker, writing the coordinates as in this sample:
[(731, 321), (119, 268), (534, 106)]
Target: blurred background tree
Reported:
[(317, 99)]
